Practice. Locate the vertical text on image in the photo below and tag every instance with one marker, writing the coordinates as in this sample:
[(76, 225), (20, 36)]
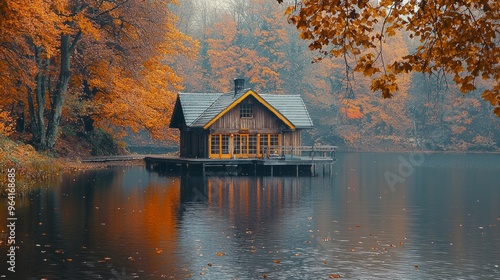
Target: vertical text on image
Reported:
[(11, 219)]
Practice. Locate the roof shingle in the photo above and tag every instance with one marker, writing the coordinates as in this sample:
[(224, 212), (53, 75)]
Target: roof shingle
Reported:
[(200, 108)]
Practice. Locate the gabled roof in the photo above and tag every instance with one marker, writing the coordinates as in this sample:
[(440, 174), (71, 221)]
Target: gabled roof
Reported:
[(292, 107), (203, 109)]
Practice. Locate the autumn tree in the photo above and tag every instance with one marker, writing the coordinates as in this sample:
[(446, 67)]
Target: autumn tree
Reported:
[(347, 29), (113, 56), (27, 30), (241, 38), (131, 82)]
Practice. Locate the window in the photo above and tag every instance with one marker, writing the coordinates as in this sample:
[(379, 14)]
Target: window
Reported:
[(225, 144), (219, 145), (236, 142), (246, 111), (269, 144), (274, 141), (215, 144), (252, 144), (263, 143)]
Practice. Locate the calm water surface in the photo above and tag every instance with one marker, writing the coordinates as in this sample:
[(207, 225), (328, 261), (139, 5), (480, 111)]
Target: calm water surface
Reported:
[(381, 216)]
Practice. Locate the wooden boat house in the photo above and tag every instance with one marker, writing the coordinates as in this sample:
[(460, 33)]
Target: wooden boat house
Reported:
[(241, 124)]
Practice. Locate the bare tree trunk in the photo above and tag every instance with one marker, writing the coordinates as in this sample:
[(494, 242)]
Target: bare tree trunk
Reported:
[(41, 79), (57, 97), (36, 102), (31, 111)]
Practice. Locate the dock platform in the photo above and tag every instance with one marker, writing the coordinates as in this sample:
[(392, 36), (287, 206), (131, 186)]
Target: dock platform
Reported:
[(285, 164)]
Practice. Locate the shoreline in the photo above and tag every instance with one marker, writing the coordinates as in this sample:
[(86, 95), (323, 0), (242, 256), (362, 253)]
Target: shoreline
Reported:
[(423, 152), (71, 164), (75, 164)]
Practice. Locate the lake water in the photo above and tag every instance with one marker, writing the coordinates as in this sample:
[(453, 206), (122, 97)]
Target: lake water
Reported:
[(381, 216)]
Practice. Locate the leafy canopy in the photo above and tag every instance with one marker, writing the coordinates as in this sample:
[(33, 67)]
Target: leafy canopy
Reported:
[(456, 38)]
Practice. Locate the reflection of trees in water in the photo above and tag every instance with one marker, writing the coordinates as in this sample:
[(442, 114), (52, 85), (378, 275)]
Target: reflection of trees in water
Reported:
[(100, 224)]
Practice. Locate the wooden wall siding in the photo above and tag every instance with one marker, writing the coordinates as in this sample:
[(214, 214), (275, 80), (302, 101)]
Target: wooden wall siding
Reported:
[(193, 144), (292, 138), (263, 121)]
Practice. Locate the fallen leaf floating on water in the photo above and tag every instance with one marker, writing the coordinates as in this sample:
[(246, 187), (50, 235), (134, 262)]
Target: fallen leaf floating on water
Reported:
[(335, 275), (417, 266), (220, 254), (209, 264), (277, 261)]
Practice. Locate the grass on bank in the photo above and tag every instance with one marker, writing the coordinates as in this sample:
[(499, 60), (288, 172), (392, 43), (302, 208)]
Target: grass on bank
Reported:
[(29, 165)]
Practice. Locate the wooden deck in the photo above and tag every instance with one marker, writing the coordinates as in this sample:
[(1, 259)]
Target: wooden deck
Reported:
[(286, 163)]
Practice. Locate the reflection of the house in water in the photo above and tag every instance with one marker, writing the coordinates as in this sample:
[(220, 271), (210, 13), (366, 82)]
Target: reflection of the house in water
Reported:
[(242, 191), (248, 198)]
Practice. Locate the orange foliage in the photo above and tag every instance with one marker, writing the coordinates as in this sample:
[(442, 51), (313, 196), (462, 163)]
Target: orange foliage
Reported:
[(248, 48), (352, 111), (119, 50), (6, 124), (359, 28)]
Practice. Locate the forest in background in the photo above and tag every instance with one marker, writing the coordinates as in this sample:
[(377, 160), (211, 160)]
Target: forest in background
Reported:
[(252, 39), (117, 66)]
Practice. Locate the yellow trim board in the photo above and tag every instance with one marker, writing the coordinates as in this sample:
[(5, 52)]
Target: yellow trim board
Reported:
[(243, 97)]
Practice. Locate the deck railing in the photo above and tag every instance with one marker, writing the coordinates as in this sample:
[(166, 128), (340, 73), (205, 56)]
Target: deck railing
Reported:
[(301, 151)]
